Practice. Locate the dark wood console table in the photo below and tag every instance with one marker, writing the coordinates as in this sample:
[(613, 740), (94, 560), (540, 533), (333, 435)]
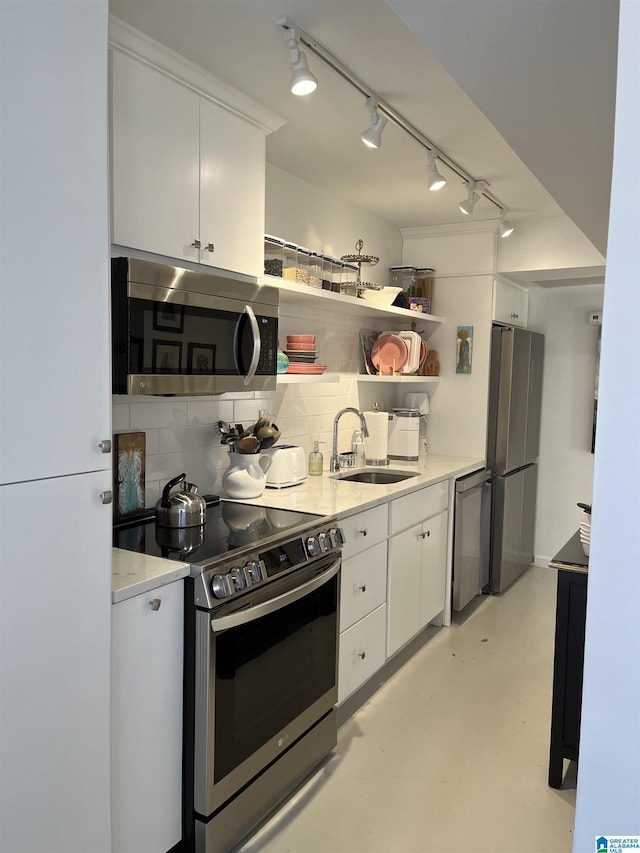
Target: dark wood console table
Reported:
[(571, 606)]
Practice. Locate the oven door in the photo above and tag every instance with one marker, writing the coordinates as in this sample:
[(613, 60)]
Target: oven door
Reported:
[(265, 673)]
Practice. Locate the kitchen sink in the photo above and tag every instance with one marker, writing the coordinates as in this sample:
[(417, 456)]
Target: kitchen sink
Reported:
[(376, 477)]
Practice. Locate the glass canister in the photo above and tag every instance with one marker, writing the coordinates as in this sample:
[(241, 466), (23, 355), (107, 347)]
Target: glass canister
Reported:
[(424, 283), (404, 277), (273, 255), (349, 282), (289, 261), (315, 269), (336, 275), (327, 269), (302, 270)]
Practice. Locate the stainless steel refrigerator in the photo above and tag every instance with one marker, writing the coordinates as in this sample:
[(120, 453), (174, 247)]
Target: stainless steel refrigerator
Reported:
[(515, 394)]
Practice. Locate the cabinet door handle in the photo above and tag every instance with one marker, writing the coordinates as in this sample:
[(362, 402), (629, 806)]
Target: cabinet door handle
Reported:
[(362, 655), (196, 244), (424, 535), (155, 603), (106, 497), (364, 531), (514, 316), (363, 588), (105, 446), (210, 247)]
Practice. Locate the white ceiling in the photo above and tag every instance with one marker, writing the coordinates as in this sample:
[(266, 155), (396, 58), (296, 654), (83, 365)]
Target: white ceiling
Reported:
[(541, 74)]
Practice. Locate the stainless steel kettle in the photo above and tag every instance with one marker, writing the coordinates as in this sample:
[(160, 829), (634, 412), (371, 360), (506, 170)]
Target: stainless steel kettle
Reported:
[(184, 508)]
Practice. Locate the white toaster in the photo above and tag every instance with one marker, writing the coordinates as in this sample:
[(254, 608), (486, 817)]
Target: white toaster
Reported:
[(288, 466)]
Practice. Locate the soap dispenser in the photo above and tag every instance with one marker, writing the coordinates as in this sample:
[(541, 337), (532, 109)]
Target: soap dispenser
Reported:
[(316, 461)]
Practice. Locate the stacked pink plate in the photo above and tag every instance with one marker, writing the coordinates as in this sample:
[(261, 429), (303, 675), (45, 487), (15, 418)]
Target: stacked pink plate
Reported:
[(301, 352)]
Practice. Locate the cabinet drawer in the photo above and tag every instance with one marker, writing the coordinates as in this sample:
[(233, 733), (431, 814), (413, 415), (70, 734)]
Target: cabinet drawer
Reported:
[(364, 529), (362, 649), (364, 584), (413, 508)]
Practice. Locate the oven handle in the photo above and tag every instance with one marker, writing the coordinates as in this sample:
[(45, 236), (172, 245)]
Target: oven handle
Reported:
[(267, 607)]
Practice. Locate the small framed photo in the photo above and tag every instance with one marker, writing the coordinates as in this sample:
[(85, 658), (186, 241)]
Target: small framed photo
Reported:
[(201, 358), (166, 356), (168, 317), (129, 472)]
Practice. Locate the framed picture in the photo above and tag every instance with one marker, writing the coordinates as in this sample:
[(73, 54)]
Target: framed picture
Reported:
[(129, 471), (201, 358), (168, 317), (166, 356), (464, 349)]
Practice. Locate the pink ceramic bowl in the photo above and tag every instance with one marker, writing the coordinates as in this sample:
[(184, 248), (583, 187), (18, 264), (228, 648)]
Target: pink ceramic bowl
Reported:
[(301, 339), (306, 346)]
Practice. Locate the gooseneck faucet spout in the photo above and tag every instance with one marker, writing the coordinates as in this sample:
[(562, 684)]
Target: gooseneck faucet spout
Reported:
[(334, 464)]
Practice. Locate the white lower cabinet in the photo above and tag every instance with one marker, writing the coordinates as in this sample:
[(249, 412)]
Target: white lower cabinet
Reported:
[(146, 721), (362, 649), (417, 567)]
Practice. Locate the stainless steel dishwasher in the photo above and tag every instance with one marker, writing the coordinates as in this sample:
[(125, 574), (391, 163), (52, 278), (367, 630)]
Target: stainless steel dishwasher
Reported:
[(471, 537)]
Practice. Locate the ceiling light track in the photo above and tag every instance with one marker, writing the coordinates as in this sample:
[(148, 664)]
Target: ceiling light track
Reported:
[(387, 111)]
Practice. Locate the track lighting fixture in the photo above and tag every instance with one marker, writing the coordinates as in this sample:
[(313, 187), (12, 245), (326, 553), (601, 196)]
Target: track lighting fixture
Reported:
[(303, 81), (372, 136), (506, 229), (470, 201), (436, 181), (475, 188)]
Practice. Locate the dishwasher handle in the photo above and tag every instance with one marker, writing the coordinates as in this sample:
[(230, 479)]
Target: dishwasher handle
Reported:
[(473, 481)]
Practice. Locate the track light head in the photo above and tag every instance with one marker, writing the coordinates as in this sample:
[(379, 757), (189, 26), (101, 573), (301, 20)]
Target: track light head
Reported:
[(372, 136), (474, 189), (303, 82), (436, 181), (506, 229)]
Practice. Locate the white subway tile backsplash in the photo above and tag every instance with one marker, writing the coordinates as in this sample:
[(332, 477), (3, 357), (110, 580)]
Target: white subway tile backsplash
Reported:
[(120, 416), (246, 411), (209, 411), (166, 413)]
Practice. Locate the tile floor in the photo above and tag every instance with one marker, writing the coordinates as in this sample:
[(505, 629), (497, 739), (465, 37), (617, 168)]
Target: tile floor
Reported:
[(451, 753)]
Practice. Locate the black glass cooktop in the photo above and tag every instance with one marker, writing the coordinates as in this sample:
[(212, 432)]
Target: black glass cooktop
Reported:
[(229, 526)]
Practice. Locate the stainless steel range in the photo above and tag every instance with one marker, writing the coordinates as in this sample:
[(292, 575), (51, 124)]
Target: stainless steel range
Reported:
[(261, 643)]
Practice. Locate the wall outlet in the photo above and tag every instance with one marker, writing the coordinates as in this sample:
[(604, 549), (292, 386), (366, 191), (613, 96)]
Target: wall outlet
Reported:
[(595, 318)]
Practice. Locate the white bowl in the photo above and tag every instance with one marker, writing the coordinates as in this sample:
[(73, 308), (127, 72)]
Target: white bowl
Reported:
[(381, 297)]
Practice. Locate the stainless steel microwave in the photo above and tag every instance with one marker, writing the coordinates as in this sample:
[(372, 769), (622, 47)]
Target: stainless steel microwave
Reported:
[(180, 332)]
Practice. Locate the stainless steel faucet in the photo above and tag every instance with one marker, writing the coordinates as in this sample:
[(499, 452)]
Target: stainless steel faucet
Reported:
[(334, 464)]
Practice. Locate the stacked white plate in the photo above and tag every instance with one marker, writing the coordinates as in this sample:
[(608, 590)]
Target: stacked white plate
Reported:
[(585, 531)]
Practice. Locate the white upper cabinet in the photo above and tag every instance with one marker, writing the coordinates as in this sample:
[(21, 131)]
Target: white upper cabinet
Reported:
[(155, 161), (510, 304), (232, 190), (188, 175), (55, 347)]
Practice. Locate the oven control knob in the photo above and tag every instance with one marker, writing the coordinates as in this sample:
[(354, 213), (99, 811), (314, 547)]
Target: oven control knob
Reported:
[(313, 546), (221, 586), (254, 571), (325, 542), (238, 578), (336, 535)]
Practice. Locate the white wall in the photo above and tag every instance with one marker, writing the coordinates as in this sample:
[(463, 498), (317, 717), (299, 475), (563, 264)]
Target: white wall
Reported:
[(305, 214), (608, 800), (463, 260), (566, 462)]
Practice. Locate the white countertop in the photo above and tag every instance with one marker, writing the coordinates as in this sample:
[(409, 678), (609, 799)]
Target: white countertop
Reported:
[(133, 574)]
